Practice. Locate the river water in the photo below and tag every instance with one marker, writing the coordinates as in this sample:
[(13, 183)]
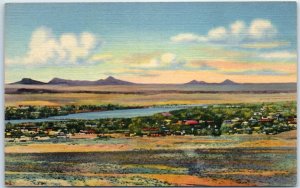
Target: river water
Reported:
[(125, 113)]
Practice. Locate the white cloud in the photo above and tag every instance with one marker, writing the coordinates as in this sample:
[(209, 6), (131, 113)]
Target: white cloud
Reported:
[(168, 58), (217, 34), (160, 61), (261, 28), (235, 33), (279, 55), (68, 48), (187, 37), (238, 27), (164, 60)]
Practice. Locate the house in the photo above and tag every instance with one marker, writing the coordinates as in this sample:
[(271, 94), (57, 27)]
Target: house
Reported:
[(35, 114), (23, 130), (292, 120), (239, 131), (61, 134), (166, 114), (257, 114), (33, 129), (252, 121), (210, 122), (168, 121), (256, 129), (23, 139), (235, 120), (23, 107), (152, 131), (181, 133), (248, 130), (53, 133), (191, 122), (83, 132), (228, 122), (266, 120), (91, 131), (9, 140), (92, 126), (7, 134), (41, 138), (245, 123)]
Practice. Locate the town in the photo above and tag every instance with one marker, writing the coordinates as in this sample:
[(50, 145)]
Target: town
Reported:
[(210, 120)]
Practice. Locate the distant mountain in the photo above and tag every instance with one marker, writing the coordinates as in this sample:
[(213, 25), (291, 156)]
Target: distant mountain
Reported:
[(60, 81), (112, 81), (29, 81), (225, 82), (228, 82), (195, 82), (108, 81)]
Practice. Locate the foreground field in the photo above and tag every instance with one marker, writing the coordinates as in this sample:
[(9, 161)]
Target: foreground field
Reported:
[(238, 160), (143, 99)]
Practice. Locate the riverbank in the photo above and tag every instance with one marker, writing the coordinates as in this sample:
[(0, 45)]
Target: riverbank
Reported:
[(124, 112)]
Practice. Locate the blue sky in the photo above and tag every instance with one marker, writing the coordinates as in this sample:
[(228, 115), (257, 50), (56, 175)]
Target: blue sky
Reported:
[(135, 40)]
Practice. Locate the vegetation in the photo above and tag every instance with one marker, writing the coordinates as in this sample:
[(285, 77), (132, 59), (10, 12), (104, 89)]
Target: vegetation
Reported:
[(168, 167)]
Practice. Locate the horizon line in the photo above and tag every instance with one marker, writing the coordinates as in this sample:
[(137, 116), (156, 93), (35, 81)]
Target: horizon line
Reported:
[(153, 83)]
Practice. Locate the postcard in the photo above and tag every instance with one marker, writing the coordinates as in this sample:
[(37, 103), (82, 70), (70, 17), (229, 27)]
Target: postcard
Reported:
[(151, 94)]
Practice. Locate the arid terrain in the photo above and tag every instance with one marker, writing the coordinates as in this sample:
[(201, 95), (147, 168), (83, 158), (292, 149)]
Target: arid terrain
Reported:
[(237, 160), (146, 94), (87, 160)]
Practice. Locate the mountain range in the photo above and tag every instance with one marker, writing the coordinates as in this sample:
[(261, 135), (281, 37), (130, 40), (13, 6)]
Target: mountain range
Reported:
[(225, 82), (113, 81), (59, 81)]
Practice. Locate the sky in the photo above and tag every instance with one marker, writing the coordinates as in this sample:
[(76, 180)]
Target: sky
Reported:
[(152, 42)]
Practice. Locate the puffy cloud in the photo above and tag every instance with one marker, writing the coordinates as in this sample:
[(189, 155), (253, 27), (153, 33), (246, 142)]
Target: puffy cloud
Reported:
[(261, 28), (153, 60), (166, 59), (236, 33), (69, 48), (279, 55), (217, 34), (237, 27)]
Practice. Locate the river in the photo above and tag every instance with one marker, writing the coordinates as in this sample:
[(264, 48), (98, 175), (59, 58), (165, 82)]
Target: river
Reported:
[(125, 113)]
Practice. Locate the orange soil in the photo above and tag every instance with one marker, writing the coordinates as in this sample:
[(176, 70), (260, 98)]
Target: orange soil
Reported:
[(252, 172), (49, 148), (146, 143), (269, 143)]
